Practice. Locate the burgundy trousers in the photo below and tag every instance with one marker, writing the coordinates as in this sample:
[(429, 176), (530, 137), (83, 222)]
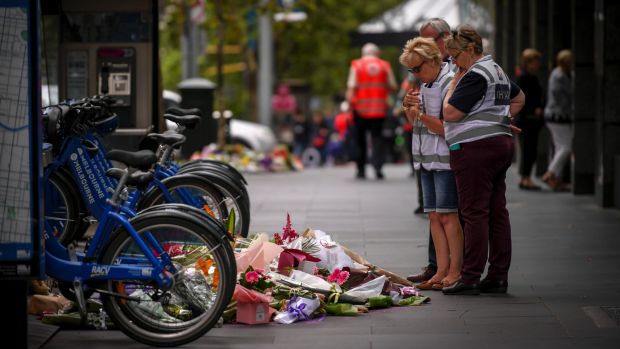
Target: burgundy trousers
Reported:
[(480, 170)]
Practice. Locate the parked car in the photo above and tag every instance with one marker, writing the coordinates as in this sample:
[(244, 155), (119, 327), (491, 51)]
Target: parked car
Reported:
[(252, 135)]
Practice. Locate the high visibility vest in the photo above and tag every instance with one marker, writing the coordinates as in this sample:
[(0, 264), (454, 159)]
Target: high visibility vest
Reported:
[(371, 90), (491, 115), (429, 149)]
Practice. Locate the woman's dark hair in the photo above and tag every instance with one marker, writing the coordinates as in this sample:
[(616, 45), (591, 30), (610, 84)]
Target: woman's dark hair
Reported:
[(464, 36)]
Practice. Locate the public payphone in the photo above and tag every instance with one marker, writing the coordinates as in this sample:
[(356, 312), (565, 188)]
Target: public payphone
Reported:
[(110, 47), (115, 79)]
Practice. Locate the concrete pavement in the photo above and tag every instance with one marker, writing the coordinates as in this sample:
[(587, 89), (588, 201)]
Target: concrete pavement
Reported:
[(564, 287)]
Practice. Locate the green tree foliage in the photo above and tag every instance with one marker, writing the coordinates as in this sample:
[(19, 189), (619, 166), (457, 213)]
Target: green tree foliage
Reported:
[(316, 51)]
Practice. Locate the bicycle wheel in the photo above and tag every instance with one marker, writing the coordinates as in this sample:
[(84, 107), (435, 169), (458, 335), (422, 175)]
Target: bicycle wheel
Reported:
[(188, 190), (194, 183), (63, 207), (219, 171), (203, 286), (218, 163)]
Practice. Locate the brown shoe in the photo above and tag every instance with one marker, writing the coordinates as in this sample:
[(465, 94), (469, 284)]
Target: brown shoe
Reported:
[(429, 285), (427, 274)]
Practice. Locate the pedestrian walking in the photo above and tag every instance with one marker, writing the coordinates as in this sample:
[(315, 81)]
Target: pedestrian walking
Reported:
[(301, 132), (432, 157), (558, 117), (369, 84), (320, 131), (530, 119), (477, 111)]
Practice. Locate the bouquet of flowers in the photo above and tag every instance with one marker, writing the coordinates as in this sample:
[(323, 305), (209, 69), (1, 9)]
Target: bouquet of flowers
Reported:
[(255, 279)]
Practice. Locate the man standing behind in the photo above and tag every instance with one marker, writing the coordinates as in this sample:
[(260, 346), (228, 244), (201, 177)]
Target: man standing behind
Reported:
[(438, 30), (368, 87)]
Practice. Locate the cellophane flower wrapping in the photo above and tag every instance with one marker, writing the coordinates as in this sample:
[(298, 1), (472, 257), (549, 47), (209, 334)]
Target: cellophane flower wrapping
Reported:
[(331, 254), (298, 309), (369, 289)]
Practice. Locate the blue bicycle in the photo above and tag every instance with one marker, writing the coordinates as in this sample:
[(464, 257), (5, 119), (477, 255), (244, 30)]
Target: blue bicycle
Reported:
[(164, 275), (80, 159)]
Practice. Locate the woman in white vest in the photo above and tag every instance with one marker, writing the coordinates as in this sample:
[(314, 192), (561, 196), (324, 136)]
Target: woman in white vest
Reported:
[(432, 157), (477, 110)]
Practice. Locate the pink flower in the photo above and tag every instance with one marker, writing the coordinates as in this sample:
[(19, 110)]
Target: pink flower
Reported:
[(343, 276), (278, 239), (338, 276), (174, 249), (251, 277)]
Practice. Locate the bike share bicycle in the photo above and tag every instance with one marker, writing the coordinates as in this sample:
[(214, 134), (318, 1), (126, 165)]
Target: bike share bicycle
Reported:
[(165, 275), (147, 287), (76, 133)]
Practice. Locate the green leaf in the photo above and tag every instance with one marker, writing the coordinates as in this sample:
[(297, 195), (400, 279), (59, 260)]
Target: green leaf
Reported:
[(230, 223)]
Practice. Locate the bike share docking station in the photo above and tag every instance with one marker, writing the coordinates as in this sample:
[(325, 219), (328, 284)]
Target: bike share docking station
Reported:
[(106, 48)]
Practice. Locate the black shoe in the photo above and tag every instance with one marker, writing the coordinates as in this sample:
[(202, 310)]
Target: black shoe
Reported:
[(531, 187), (360, 175), (419, 210), (380, 175), (493, 286), (427, 274), (461, 288)]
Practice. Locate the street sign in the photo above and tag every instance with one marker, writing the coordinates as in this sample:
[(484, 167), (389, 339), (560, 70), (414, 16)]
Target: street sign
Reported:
[(21, 252)]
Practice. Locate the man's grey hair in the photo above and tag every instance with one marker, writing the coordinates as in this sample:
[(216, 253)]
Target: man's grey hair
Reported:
[(370, 49), (438, 24)]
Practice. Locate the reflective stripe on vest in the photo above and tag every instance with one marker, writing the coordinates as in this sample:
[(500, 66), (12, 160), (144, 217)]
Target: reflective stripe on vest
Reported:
[(426, 159), (429, 149), (479, 133), (371, 90), (489, 116)]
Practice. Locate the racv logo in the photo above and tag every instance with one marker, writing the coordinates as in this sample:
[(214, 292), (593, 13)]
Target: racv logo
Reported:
[(100, 270)]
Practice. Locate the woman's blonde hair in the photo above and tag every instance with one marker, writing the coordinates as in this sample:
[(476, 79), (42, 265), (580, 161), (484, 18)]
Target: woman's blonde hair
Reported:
[(423, 47), (529, 55), (464, 36), (564, 59)]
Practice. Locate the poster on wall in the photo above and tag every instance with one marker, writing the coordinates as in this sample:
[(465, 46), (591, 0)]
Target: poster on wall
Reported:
[(21, 252)]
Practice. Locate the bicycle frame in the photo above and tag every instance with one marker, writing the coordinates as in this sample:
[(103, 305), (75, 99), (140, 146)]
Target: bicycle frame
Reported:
[(60, 266)]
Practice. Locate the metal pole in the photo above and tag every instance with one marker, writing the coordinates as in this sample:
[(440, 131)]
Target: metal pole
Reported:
[(265, 68), (187, 63), (221, 30)]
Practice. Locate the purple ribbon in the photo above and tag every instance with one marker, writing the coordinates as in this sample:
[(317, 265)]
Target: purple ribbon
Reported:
[(297, 310)]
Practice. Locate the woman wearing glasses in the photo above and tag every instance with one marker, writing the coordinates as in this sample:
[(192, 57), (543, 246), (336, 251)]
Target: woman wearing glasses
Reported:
[(478, 109), (431, 156)]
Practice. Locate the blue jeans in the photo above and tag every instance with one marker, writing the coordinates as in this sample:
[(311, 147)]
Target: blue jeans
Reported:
[(439, 191)]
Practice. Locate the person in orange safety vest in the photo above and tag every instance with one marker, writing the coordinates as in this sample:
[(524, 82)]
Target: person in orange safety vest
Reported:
[(369, 85)]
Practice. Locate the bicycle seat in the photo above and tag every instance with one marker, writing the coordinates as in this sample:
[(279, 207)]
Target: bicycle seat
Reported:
[(138, 179), (168, 138), (142, 160), (181, 111), (188, 121)]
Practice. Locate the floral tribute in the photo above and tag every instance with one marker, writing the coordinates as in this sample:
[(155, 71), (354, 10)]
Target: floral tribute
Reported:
[(255, 279), (309, 275)]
